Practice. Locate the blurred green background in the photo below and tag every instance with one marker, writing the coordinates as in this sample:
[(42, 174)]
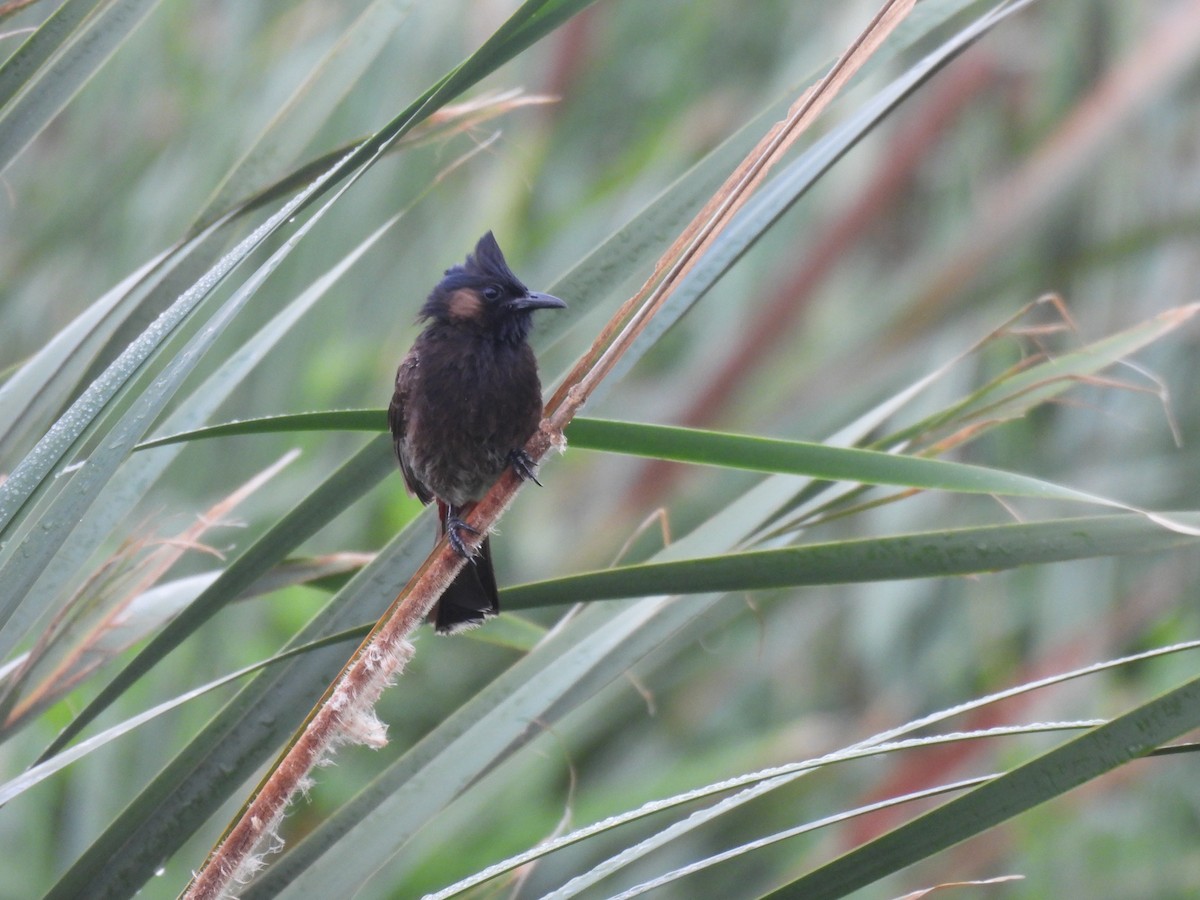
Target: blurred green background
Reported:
[(1059, 154)]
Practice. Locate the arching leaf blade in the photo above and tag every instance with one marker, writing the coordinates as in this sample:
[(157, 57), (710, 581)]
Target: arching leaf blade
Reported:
[(932, 554)]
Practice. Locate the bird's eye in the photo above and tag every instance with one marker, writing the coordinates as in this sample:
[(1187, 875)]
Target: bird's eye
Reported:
[(491, 292)]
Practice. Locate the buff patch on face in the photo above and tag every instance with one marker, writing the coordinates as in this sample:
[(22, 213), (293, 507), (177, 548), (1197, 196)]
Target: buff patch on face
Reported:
[(465, 304)]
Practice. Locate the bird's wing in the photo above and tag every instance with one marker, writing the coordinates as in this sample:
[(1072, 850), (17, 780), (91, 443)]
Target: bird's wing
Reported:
[(398, 424)]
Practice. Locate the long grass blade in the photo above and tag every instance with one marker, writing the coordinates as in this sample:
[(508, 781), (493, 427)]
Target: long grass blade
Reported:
[(933, 554)]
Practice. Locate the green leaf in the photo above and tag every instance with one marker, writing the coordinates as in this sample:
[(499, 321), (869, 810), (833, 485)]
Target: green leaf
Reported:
[(373, 420), (932, 554), (814, 460), (710, 448)]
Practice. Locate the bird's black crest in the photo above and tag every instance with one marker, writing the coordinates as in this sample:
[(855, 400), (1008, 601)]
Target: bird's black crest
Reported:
[(483, 267), (487, 263)]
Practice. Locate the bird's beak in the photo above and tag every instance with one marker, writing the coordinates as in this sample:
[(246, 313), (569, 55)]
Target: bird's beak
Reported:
[(534, 300)]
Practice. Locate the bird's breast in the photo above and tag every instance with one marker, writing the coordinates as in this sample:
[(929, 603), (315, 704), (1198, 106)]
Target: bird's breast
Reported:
[(471, 403)]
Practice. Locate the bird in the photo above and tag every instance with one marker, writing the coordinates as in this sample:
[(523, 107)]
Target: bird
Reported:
[(467, 398)]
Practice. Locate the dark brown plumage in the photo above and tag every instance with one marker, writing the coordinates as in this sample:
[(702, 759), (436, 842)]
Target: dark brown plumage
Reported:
[(467, 399)]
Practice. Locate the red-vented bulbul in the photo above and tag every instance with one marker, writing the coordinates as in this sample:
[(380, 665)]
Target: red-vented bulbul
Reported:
[(467, 399)]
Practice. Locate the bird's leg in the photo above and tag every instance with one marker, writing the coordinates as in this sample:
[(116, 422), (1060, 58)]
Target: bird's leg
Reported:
[(523, 466), (454, 528)]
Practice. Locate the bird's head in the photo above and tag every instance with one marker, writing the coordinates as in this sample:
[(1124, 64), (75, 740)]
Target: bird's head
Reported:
[(484, 295)]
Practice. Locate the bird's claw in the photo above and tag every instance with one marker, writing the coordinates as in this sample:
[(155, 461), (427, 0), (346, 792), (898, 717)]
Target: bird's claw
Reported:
[(454, 528), (523, 466)]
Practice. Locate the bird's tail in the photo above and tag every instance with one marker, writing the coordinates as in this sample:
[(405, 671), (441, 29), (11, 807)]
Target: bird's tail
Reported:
[(471, 597)]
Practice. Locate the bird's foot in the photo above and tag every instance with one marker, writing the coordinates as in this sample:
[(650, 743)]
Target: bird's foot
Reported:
[(523, 466), (455, 527)]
